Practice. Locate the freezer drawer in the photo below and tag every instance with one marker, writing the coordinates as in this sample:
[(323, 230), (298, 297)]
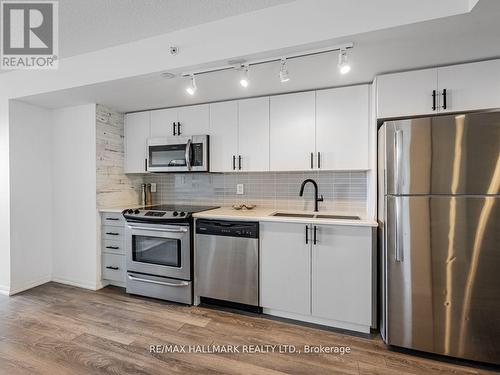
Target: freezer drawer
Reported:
[(442, 258)]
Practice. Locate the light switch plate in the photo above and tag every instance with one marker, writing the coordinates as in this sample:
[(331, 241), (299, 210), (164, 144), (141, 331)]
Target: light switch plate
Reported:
[(153, 187), (239, 189)]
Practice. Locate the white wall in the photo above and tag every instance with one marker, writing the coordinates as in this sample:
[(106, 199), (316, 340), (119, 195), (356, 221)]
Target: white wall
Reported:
[(4, 199), (75, 251), (31, 196)]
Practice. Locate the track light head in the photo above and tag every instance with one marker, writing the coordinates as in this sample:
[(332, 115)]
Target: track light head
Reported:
[(343, 65), (191, 89), (245, 77), (284, 76)]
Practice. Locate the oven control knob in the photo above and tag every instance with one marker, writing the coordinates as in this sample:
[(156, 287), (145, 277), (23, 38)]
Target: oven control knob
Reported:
[(130, 212), (137, 212), (175, 213), (183, 214)]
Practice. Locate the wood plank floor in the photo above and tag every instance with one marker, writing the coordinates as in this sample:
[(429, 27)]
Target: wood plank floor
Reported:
[(57, 329)]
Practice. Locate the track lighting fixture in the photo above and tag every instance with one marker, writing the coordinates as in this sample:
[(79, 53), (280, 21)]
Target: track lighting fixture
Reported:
[(284, 77), (245, 79), (343, 65), (243, 66), (191, 89)]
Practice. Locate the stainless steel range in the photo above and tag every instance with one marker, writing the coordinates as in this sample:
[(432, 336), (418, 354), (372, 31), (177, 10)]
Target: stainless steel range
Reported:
[(159, 251)]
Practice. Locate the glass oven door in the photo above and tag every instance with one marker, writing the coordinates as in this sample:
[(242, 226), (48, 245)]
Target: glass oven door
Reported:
[(160, 250)]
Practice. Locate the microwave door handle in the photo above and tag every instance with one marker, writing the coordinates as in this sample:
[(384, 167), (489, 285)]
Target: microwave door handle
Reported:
[(188, 154)]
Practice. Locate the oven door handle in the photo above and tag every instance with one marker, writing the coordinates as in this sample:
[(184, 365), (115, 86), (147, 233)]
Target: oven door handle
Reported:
[(178, 230), (188, 154), (182, 283)]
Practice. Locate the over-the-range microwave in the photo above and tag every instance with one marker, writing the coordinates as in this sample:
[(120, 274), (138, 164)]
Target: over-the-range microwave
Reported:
[(178, 154)]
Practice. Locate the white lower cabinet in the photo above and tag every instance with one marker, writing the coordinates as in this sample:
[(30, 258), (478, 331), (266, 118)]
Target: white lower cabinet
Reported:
[(342, 274), (285, 267), (318, 273), (113, 248)]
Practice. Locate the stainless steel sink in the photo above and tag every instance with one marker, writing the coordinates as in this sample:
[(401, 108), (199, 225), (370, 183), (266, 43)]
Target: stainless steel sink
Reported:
[(284, 214), (317, 216), (339, 217)]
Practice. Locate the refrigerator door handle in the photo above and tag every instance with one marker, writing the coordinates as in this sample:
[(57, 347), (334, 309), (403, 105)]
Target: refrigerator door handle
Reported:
[(398, 231), (398, 143)]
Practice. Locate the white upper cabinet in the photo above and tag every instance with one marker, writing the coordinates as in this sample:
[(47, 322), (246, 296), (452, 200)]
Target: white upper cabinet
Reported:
[(457, 88), (470, 86), (407, 94), (292, 139), (285, 268), (224, 136), (164, 122), (342, 274), (342, 128), (194, 119), (253, 134), (137, 128)]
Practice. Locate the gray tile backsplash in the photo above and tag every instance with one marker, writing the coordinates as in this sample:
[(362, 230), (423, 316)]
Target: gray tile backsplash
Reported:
[(344, 192)]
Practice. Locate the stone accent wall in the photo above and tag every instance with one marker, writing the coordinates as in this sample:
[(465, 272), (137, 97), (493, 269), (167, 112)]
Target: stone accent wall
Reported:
[(114, 188)]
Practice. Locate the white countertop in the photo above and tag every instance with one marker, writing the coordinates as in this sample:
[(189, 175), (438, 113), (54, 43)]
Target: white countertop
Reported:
[(265, 214)]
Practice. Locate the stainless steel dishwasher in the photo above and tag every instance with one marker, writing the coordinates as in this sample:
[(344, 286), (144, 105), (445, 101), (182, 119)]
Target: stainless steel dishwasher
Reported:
[(227, 263)]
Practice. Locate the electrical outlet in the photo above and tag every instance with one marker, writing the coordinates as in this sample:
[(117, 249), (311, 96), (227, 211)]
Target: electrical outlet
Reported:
[(153, 187), (239, 189)]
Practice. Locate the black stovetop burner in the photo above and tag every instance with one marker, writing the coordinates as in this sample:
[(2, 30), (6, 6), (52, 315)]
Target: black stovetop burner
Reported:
[(163, 213), (178, 208)]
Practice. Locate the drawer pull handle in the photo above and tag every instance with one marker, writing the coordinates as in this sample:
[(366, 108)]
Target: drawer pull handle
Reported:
[(112, 268), (112, 247), (183, 283), (113, 233), (112, 218)]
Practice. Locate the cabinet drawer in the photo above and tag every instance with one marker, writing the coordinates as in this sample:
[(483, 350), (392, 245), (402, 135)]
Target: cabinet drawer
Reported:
[(113, 219), (113, 233), (113, 246), (113, 267)]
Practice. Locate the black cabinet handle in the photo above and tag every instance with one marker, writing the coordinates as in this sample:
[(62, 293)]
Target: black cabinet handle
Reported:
[(112, 247), (112, 268), (145, 164), (112, 218), (307, 235), (174, 128), (433, 100), (314, 235), (312, 160), (319, 160), (178, 128), (239, 162), (113, 233), (444, 99), (234, 162)]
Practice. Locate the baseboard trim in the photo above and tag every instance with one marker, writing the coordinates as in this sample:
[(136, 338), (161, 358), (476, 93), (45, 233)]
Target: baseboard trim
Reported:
[(32, 284), (320, 321), (79, 284), (4, 290)]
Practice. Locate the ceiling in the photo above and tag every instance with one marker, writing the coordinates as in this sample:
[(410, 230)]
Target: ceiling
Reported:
[(456, 39), (91, 25)]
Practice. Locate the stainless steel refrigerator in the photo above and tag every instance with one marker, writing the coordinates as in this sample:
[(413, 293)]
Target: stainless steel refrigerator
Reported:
[(439, 217)]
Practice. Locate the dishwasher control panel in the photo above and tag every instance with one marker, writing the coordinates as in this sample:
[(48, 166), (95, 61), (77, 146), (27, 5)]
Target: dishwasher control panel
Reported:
[(228, 228)]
